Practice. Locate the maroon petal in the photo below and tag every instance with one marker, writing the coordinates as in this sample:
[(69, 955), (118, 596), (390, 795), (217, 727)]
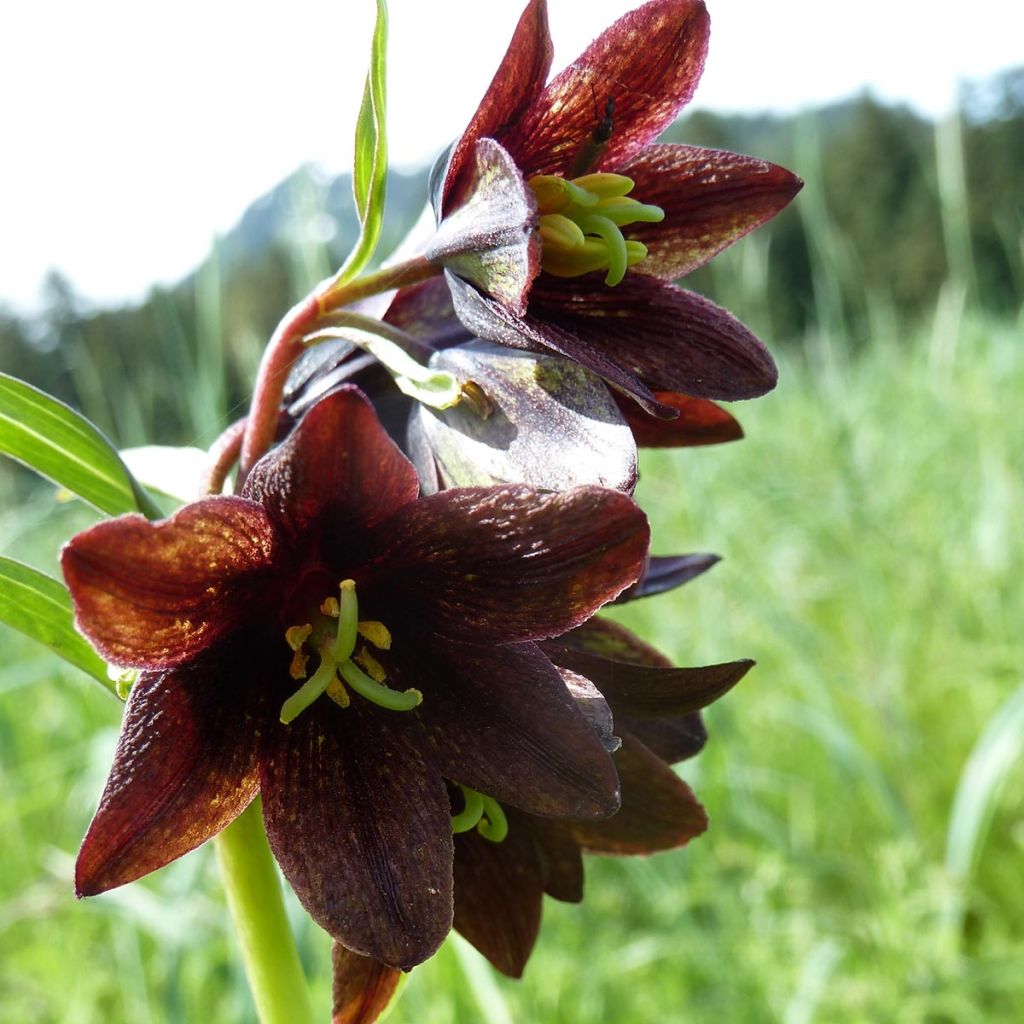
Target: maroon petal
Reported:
[(363, 987), (560, 859), (666, 337), (154, 595), (671, 739), (499, 888), (710, 198), (425, 311), (338, 467), (699, 422), (516, 84), (185, 767), (491, 237), (659, 811), (361, 826), (504, 564), (502, 722), (666, 573), (648, 62)]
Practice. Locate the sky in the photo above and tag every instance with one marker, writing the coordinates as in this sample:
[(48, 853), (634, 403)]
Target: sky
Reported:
[(134, 132)]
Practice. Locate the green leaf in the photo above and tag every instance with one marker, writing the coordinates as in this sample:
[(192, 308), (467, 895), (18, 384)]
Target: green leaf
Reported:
[(370, 165), (40, 607), (60, 444)]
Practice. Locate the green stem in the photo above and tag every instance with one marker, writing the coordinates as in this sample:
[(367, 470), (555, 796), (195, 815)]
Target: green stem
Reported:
[(254, 896)]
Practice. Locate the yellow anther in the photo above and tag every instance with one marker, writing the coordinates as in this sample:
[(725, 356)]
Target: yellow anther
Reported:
[(558, 232), (330, 607), (605, 185), (337, 692), (376, 632), (296, 636), (297, 669), (370, 665)]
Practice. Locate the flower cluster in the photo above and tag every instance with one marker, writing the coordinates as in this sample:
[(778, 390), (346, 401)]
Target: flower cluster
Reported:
[(387, 634)]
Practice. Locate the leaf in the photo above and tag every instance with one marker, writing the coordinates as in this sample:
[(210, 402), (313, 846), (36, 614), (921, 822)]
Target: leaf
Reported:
[(370, 165), (40, 607), (62, 445)]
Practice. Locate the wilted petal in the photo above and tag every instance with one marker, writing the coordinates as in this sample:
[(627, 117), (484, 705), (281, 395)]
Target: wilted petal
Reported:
[(648, 62), (363, 987), (154, 595), (667, 572), (337, 467), (491, 237), (499, 888), (710, 197), (551, 424), (659, 810), (361, 826), (503, 723), (505, 564), (699, 422), (185, 767), (671, 739), (516, 84)]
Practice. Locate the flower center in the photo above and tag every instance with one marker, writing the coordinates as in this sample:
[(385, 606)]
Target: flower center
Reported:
[(334, 638), (482, 812), (581, 221)]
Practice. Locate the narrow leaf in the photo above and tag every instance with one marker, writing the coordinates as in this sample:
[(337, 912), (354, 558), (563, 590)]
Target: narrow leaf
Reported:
[(40, 607), (62, 445), (370, 165)]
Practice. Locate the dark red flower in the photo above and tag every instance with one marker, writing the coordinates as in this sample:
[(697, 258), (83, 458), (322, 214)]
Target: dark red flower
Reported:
[(222, 604), (507, 175)]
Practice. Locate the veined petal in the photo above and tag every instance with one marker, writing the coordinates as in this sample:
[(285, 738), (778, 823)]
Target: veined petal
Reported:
[(504, 564), (502, 722), (648, 62), (499, 888), (699, 422), (671, 739), (361, 826), (666, 572), (363, 987), (185, 767), (710, 197), (516, 84), (659, 810), (154, 595), (337, 468)]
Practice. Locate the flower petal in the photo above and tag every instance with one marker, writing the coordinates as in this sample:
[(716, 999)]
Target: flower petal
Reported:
[(499, 888), (659, 810), (425, 311), (699, 422), (491, 237), (666, 573), (337, 467), (363, 987), (361, 826), (502, 722), (669, 338), (504, 564), (671, 739), (560, 859), (648, 62), (710, 197), (154, 595), (185, 767), (516, 84)]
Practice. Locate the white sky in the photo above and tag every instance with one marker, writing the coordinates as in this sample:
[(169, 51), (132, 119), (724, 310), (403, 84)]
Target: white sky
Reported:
[(133, 132)]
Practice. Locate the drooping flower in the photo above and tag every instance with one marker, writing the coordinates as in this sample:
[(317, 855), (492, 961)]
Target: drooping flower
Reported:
[(561, 223), (348, 651)]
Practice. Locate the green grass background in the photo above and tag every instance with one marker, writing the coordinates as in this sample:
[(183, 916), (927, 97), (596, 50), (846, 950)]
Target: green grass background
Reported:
[(865, 855)]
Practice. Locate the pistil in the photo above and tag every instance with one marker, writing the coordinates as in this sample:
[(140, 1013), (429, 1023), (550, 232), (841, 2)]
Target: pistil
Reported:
[(481, 812)]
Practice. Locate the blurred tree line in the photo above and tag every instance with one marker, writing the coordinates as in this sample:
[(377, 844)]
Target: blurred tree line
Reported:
[(894, 210)]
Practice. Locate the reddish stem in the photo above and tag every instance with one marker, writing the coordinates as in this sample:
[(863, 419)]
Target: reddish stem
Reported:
[(223, 455)]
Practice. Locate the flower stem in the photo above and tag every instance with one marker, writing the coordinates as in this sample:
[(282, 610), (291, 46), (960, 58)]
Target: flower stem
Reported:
[(272, 964)]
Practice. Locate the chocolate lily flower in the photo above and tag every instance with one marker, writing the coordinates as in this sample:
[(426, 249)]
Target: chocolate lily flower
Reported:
[(561, 224), (346, 650)]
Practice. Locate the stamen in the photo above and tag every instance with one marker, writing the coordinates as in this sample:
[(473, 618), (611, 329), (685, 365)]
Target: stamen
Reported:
[(309, 691), (559, 232), (377, 633), (370, 665), (297, 669), (337, 692), (470, 813), (348, 621), (493, 825), (296, 636), (373, 691), (605, 185), (330, 607)]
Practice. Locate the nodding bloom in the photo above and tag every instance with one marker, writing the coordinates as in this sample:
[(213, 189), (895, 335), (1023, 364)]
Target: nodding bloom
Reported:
[(362, 658), (561, 223)]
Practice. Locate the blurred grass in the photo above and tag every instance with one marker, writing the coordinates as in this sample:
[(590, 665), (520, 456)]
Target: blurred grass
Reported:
[(871, 527)]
